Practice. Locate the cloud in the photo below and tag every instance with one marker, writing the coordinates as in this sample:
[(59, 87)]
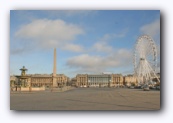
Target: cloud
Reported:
[(102, 47), (152, 28), (45, 33), (103, 44), (49, 29), (90, 63), (73, 47), (110, 36)]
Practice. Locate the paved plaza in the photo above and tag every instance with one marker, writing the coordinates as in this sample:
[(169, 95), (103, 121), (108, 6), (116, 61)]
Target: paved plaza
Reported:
[(87, 99)]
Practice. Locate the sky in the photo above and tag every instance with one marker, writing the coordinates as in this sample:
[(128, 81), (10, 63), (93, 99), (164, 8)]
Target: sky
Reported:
[(91, 41)]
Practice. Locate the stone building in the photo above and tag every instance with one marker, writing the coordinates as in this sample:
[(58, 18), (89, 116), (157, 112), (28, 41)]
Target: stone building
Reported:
[(99, 80), (81, 80), (39, 80), (61, 80), (130, 80), (117, 80)]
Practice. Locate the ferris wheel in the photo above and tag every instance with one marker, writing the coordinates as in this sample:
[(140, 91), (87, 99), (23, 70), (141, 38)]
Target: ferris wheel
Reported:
[(145, 60)]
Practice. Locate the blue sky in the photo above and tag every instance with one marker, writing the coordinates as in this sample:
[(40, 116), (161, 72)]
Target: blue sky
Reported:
[(86, 41)]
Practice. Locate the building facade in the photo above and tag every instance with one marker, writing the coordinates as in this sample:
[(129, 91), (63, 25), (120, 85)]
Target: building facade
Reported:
[(82, 80), (117, 80), (39, 80), (130, 80), (99, 80)]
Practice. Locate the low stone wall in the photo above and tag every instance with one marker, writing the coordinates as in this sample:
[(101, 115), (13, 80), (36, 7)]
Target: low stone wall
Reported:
[(32, 89), (38, 89), (29, 89), (24, 89)]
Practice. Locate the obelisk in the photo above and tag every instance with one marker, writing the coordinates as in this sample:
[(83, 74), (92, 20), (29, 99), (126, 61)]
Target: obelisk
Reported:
[(54, 69)]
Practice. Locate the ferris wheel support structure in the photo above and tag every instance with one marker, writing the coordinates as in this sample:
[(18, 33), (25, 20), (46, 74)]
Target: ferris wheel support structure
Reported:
[(145, 60)]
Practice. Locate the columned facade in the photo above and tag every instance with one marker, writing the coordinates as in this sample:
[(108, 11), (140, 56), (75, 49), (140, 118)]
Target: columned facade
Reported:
[(117, 80), (99, 80), (41, 80), (130, 80), (82, 80), (61, 80)]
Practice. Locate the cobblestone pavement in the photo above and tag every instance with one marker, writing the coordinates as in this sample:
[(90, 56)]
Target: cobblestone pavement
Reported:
[(87, 99)]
